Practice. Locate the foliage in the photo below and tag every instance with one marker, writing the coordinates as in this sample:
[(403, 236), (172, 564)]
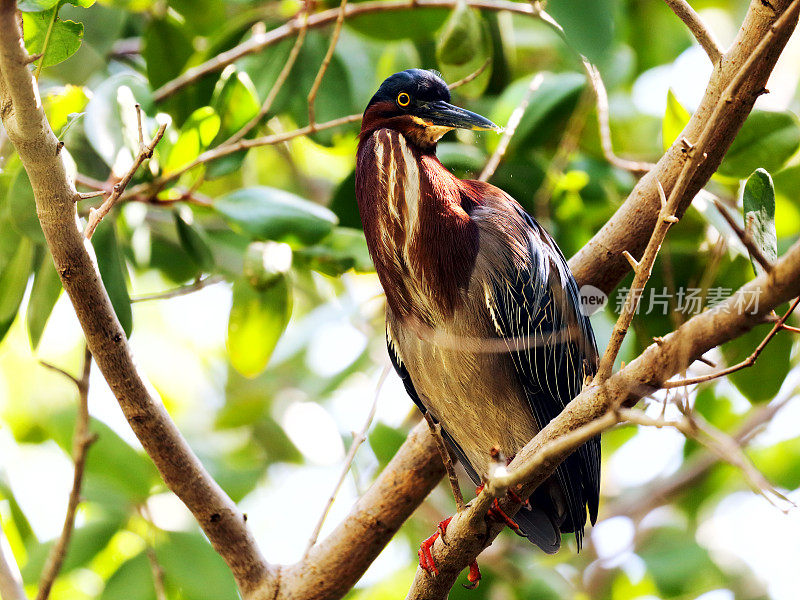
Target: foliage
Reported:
[(296, 329)]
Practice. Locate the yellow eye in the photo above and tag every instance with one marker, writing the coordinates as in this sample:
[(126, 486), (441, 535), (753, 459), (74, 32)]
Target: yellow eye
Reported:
[(403, 99)]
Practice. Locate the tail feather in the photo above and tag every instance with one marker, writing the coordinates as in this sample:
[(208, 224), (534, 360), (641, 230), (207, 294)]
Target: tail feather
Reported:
[(539, 528)]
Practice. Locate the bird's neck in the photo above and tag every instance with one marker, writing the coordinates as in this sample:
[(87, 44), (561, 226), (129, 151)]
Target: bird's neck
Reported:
[(417, 226)]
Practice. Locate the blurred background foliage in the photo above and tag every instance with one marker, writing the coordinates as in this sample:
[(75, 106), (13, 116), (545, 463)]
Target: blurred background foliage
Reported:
[(272, 357)]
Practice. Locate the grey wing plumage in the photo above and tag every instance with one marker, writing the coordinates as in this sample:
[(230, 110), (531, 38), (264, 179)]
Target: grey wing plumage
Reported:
[(537, 304)]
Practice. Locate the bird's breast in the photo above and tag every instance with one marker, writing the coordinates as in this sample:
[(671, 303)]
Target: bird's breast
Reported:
[(421, 240)]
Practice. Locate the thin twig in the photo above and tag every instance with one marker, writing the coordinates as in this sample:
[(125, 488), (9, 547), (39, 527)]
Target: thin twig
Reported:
[(604, 125), (642, 270), (724, 446), (312, 94), (196, 285), (699, 30), (145, 152), (358, 439), (436, 431), (747, 362), (278, 85), (510, 128), (10, 580), (158, 573), (321, 19), (81, 440), (743, 235), (471, 76), (267, 140)]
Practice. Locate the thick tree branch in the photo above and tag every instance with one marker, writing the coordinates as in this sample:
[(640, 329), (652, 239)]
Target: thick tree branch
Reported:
[(54, 193), (601, 261)]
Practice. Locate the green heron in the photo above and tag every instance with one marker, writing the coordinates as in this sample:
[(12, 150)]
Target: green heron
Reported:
[(462, 260)]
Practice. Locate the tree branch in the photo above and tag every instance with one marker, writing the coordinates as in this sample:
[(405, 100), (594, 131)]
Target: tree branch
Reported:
[(747, 362), (312, 94), (54, 193), (260, 41), (601, 260), (701, 33), (145, 152), (81, 441)]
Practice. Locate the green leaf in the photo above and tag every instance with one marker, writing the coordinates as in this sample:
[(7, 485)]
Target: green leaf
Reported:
[(235, 100), (44, 294), (675, 119), (196, 135), (64, 39), (677, 563), (133, 580), (344, 204), (111, 462), (110, 123), (113, 272), (256, 322), (588, 26), (86, 543), (550, 106), (385, 26), (22, 207), (36, 5), (461, 37), (385, 441), (762, 381), (21, 522), (780, 463), (194, 243), (166, 50), (464, 45), (13, 281), (767, 140), (342, 250), (184, 556), (758, 201), (63, 105), (273, 214)]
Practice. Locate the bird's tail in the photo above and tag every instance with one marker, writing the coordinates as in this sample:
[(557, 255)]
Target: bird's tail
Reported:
[(539, 528)]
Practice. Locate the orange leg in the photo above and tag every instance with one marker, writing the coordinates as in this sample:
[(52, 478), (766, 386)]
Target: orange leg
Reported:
[(425, 556)]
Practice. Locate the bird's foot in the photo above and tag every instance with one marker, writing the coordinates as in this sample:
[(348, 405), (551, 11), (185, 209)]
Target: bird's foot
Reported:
[(497, 513), (425, 555), (474, 576), (515, 497)]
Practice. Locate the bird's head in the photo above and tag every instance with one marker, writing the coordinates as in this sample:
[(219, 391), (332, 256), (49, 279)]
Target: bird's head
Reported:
[(416, 103)]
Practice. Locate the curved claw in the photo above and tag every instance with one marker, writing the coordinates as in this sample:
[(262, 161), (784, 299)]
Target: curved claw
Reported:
[(474, 576)]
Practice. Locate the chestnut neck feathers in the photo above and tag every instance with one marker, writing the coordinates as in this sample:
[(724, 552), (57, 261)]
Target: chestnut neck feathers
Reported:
[(416, 222)]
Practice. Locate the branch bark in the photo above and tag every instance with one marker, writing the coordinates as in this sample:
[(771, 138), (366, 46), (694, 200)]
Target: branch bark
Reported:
[(29, 131), (601, 261)]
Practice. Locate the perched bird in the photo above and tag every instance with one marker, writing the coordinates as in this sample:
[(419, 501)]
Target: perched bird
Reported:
[(483, 320)]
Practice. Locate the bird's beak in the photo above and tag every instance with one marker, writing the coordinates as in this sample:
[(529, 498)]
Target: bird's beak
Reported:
[(442, 114)]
